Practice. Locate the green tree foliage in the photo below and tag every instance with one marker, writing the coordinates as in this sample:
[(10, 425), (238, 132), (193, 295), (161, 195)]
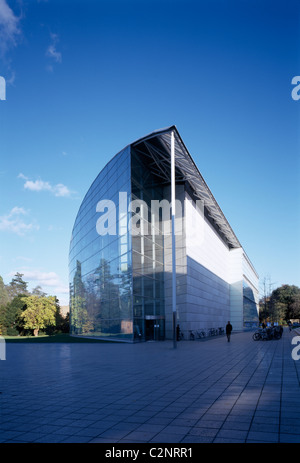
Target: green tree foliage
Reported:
[(4, 298), (295, 307), (17, 286), (61, 323), (9, 316), (278, 312), (37, 291), (288, 295), (282, 304), (22, 312), (64, 326), (80, 317), (40, 313)]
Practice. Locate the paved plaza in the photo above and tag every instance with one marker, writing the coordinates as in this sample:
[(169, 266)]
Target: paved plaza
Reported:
[(207, 391)]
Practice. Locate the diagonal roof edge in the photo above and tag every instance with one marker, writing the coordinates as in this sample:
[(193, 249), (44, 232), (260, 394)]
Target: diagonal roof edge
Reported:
[(187, 166)]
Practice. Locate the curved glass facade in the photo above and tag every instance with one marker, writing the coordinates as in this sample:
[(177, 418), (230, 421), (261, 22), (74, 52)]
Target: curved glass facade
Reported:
[(100, 264), (116, 279), (121, 250), (147, 255)]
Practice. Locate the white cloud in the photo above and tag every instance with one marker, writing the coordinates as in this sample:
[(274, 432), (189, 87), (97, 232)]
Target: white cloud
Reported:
[(22, 258), (42, 278), (13, 222), (59, 190), (52, 52), (9, 27), (18, 210), (37, 185), (50, 283)]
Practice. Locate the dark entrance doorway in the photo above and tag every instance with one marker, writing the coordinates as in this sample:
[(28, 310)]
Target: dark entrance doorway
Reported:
[(154, 328)]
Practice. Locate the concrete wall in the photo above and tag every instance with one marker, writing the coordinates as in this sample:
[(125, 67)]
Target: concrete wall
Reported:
[(202, 288), (236, 288), (209, 276), (207, 272)]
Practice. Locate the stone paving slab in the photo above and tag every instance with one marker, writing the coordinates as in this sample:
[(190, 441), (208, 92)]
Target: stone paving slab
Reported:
[(202, 392)]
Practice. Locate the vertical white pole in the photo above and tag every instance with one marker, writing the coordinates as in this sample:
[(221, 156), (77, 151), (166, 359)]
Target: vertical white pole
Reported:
[(173, 237)]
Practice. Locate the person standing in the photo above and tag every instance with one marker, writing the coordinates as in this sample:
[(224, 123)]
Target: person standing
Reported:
[(228, 331)]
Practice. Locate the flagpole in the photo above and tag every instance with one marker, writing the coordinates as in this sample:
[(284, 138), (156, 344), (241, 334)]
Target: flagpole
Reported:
[(173, 238)]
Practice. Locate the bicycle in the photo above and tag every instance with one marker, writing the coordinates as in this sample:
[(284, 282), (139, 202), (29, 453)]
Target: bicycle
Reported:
[(267, 334), (258, 335), (192, 336), (212, 332), (221, 331), (201, 334), (180, 336)]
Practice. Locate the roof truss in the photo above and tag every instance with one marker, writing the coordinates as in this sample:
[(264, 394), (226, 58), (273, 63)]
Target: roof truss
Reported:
[(157, 148)]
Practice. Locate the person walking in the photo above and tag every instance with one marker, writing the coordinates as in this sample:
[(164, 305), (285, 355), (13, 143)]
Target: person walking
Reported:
[(228, 331)]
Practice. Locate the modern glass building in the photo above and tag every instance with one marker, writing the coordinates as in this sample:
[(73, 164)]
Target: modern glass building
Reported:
[(120, 253)]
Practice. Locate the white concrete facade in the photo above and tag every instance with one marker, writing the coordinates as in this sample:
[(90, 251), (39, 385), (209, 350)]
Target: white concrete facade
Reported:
[(210, 276)]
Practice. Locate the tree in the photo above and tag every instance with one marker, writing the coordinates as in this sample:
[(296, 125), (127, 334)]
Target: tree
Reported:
[(278, 312), (4, 298), (38, 291), (64, 326), (9, 316), (59, 321), (80, 319), (295, 307), (283, 303), (39, 313), (21, 312), (289, 295), (17, 286)]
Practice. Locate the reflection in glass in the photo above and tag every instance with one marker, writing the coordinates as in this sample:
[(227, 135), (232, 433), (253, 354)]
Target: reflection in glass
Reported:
[(249, 307), (116, 280), (101, 281)]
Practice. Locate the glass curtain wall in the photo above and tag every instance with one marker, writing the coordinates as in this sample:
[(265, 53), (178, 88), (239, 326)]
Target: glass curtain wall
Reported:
[(147, 254), (116, 277), (249, 307), (100, 264)]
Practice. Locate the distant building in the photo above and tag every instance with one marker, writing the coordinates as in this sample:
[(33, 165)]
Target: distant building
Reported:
[(64, 310), (120, 253)]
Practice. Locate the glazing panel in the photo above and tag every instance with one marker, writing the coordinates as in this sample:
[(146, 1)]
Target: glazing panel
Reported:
[(101, 280), (148, 307), (137, 310), (148, 287), (147, 254)]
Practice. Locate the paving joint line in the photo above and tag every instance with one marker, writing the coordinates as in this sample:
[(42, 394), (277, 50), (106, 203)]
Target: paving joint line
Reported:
[(242, 393), (261, 391)]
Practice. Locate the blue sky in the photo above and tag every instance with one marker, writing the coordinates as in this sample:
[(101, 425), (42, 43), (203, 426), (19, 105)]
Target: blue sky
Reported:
[(86, 78)]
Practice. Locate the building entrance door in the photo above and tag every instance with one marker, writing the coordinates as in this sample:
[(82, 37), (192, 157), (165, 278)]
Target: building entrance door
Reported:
[(154, 328)]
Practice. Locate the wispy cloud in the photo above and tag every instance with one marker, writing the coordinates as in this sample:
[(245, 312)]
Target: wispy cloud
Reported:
[(49, 279), (59, 189), (52, 51), (14, 222), (9, 28), (50, 282), (22, 258)]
